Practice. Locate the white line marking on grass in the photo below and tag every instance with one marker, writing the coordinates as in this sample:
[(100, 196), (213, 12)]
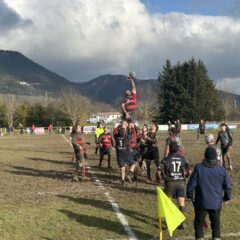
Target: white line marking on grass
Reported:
[(227, 235), (111, 200)]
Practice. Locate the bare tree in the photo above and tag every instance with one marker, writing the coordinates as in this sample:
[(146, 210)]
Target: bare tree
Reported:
[(228, 100), (74, 105), (147, 102), (10, 103)]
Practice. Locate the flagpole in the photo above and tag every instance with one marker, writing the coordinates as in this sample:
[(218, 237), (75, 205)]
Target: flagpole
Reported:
[(160, 227)]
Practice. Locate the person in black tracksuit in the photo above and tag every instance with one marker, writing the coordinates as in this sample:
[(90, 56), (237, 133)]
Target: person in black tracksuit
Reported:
[(209, 181)]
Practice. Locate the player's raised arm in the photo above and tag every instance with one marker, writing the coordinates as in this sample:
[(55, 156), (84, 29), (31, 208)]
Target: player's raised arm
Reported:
[(132, 78)]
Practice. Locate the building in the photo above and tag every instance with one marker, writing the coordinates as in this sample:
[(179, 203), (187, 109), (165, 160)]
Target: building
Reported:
[(107, 117)]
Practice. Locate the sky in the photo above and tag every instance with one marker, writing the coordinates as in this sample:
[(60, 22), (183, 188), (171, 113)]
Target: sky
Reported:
[(82, 39)]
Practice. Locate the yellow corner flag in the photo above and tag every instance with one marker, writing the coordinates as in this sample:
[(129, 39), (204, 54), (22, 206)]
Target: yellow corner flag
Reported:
[(168, 210)]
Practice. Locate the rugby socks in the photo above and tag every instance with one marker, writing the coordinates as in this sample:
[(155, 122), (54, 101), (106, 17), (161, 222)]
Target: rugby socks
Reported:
[(83, 171), (96, 150), (109, 161), (182, 209), (100, 160)]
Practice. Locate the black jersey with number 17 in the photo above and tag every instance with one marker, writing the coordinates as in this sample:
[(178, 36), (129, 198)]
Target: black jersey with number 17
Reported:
[(174, 167)]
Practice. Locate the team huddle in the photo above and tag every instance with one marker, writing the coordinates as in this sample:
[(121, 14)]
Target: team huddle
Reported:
[(137, 149)]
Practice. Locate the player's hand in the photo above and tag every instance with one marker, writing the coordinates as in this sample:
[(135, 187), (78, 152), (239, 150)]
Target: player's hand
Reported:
[(230, 147), (127, 116)]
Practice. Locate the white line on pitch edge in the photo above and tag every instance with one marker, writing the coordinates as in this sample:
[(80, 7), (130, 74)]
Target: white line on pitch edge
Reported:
[(115, 206)]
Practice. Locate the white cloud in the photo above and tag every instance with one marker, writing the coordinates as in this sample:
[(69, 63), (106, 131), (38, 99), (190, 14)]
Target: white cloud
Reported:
[(230, 85), (82, 39)]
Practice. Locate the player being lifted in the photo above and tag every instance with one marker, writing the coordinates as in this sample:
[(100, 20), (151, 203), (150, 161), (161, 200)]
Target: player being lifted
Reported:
[(128, 104), (106, 143), (201, 129), (226, 140)]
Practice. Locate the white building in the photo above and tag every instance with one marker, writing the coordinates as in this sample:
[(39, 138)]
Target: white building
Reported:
[(106, 117)]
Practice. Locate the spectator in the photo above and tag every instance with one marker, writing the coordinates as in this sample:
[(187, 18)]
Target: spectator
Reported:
[(33, 129), (50, 129), (209, 180)]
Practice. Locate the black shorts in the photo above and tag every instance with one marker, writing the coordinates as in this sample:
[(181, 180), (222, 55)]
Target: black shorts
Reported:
[(153, 155), (143, 152), (105, 151), (124, 157), (78, 155), (131, 116), (201, 132), (135, 154), (224, 150), (175, 189)]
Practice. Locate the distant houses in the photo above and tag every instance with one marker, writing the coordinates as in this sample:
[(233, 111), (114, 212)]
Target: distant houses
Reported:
[(106, 117)]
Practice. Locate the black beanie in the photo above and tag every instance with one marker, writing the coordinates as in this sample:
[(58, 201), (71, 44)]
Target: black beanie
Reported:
[(210, 153)]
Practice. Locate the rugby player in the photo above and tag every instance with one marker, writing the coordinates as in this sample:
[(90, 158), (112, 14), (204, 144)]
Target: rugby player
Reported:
[(226, 140), (124, 156), (173, 137), (152, 152), (98, 132), (129, 102), (201, 129), (106, 144), (77, 141), (175, 169)]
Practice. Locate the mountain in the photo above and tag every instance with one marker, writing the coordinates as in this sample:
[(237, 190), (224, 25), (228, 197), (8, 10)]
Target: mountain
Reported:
[(20, 75), (110, 88)]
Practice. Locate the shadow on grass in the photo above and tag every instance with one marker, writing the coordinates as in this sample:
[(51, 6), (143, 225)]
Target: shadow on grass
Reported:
[(107, 207), (101, 223), (24, 150), (40, 173), (133, 187), (111, 178), (51, 161)]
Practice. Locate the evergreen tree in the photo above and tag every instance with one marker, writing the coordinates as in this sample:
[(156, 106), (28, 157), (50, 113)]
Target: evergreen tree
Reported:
[(186, 92)]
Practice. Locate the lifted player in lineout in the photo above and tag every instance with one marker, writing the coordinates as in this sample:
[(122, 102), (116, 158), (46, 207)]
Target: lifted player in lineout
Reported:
[(129, 102)]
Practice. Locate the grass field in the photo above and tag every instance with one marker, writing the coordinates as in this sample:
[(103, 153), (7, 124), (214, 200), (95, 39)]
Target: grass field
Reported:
[(38, 200)]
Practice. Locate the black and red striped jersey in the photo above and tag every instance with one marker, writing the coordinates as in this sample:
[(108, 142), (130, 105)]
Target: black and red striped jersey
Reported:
[(78, 139), (106, 140), (130, 103), (133, 138)]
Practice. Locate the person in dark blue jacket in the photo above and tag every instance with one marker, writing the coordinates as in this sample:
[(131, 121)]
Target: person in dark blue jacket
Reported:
[(209, 181)]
